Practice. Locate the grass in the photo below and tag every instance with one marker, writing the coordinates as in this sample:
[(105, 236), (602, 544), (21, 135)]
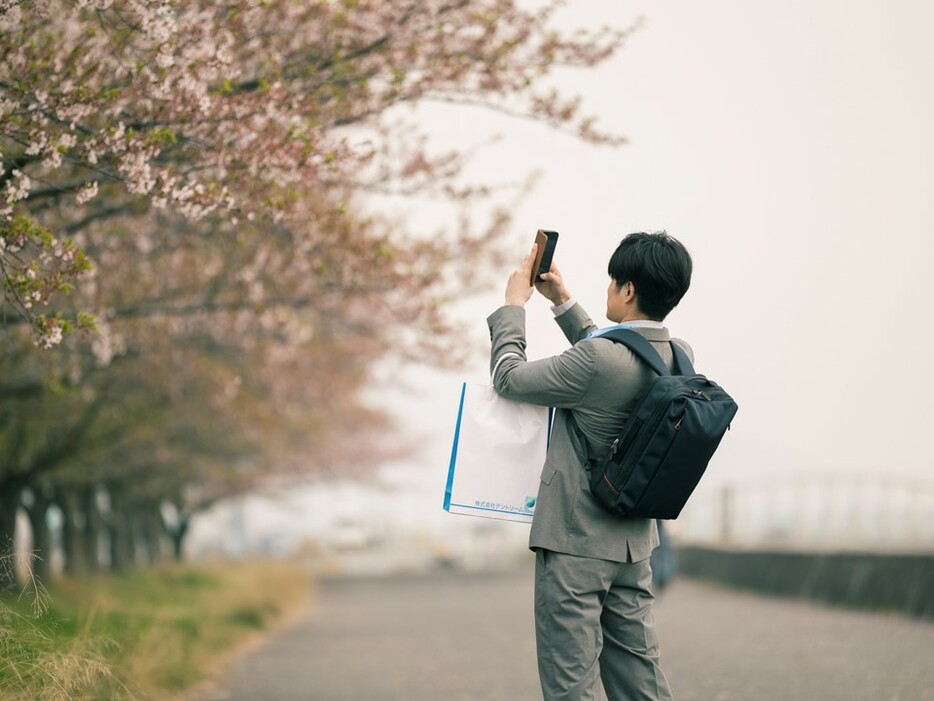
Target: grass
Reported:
[(150, 634)]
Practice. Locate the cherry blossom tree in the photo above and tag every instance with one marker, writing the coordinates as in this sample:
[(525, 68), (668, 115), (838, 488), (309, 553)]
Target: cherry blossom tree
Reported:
[(177, 419), (240, 109), (185, 181)]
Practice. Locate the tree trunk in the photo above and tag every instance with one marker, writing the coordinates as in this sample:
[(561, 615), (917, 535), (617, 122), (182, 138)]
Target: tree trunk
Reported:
[(41, 555), (120, 528), (177, 535), (118, 536), (135, 520), (93, 523), (153, 532), (74, 524), (138, 518), (9, 500)]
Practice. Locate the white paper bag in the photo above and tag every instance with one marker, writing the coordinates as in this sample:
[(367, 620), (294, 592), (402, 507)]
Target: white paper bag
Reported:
[(497, 456)]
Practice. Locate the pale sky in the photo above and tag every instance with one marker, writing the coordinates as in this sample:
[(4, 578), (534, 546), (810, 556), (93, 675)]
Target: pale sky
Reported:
[(788, 145)]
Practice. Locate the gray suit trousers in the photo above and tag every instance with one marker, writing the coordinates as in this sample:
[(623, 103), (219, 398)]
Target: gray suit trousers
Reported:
[(593, 623)]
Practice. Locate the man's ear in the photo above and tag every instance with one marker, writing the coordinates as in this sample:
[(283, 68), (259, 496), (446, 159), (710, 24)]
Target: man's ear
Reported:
[(629, 291), (631, 297)]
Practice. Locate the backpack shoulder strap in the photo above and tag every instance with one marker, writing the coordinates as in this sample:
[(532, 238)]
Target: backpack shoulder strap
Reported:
[(643, 349), (683, 365)]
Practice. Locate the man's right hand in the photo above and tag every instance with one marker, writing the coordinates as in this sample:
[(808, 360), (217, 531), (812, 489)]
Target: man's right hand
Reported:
[(551, 285)]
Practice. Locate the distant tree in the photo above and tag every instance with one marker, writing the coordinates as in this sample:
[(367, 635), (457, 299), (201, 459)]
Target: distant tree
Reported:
[(179, 420)]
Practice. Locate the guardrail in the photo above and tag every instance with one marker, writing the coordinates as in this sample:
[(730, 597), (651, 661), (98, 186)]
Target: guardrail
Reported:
[(881, 582)]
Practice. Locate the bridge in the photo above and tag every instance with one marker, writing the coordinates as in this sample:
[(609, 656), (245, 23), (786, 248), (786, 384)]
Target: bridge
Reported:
[(804, 511)]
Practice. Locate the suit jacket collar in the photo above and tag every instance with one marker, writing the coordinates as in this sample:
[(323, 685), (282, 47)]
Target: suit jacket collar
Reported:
[(654, 332)]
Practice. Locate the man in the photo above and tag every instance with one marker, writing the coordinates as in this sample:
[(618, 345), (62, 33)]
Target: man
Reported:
[(593, 600)]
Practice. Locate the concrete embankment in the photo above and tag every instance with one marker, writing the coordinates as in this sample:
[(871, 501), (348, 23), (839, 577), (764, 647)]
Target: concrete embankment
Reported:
[(875, 581)]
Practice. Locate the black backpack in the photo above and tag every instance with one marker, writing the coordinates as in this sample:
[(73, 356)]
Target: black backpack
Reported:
[(663, 449)]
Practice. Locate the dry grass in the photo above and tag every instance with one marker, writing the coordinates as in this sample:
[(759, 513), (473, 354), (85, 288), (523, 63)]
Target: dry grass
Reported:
[(146, 635)]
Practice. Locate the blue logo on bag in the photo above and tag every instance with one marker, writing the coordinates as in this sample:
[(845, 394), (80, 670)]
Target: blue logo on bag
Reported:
[(530, 504)]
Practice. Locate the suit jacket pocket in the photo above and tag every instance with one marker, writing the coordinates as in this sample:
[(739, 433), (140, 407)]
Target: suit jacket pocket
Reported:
[(548, 474)]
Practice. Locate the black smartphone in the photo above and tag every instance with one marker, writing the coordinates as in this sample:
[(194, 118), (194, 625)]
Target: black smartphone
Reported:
[(546, 240)]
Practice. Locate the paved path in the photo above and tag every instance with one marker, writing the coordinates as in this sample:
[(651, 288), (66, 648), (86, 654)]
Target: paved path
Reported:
[(468, 637)]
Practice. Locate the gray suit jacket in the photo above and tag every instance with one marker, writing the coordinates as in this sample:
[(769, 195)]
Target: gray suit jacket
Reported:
[(599, 382)]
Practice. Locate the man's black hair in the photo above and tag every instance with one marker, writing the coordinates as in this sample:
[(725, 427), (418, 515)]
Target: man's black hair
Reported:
[(658, 266)]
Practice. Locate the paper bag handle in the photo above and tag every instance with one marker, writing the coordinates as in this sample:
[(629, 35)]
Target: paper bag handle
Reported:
[(496, 367)]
